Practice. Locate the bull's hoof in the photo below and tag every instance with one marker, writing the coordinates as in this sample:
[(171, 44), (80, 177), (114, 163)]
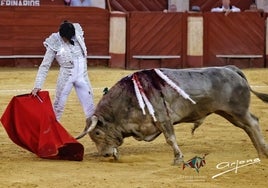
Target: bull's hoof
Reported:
[(178, 161), (263, 153), (192, 131)]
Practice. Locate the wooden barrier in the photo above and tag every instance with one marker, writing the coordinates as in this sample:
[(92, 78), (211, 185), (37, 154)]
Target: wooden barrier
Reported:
[(249, 57), (148, 34), (154, 35), (152, 57), (23, 29), (236, 34)]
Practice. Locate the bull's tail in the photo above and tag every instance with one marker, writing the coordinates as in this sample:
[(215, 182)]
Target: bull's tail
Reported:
[(262, 96)]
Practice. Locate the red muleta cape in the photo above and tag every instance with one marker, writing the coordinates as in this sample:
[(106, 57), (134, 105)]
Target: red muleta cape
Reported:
[(30, 122)]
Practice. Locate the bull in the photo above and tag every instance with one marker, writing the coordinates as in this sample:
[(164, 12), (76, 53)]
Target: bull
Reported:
[(149, 102)]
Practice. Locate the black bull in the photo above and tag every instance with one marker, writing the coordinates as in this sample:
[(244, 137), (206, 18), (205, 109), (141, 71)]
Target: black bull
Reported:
[(221, 90)]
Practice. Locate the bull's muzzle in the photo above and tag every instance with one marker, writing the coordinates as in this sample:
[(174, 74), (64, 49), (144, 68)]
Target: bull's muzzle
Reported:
[(114, 153)]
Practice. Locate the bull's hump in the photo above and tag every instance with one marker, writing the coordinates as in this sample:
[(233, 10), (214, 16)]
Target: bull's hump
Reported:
[(196, 73)]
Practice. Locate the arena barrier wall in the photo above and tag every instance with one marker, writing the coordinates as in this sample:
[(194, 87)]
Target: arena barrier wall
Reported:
[(137, 40)]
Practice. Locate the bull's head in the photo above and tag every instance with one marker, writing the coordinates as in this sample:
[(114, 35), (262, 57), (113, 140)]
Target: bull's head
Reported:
[(106, 138)]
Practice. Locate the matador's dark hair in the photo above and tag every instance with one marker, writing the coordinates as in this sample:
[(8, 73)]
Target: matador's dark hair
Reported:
[(67, 30)]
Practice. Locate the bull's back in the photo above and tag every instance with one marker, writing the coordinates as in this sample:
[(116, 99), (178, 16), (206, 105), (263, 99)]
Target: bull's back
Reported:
[(213, 89), (202, 81)]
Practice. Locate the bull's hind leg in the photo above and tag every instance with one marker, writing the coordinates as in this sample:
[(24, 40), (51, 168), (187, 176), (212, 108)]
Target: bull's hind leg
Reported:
[(168, 130), (250, 124)]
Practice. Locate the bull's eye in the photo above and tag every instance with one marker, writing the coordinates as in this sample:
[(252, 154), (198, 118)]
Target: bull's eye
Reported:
[(97, 133)]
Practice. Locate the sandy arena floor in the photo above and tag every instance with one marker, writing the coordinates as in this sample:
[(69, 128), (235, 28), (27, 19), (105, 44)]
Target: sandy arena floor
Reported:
[(142, 164)]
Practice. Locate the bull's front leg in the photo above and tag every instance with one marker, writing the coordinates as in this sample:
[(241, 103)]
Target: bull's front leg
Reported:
[(168, 130)]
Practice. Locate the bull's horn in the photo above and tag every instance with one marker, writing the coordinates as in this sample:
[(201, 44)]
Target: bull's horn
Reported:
[(88, 129)]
